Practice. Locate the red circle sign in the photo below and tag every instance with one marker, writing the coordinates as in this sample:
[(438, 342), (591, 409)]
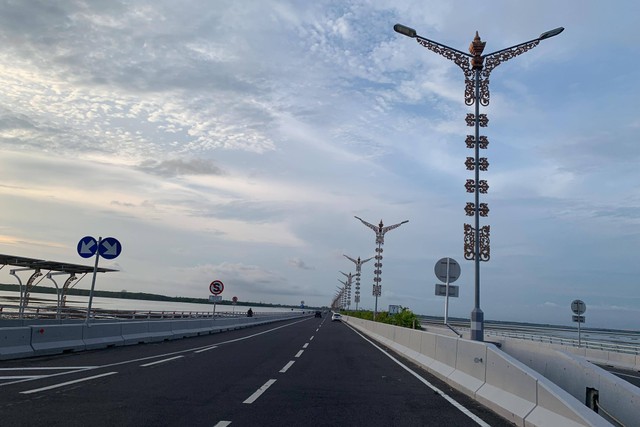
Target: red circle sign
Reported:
[(234, 299), (216, 287)]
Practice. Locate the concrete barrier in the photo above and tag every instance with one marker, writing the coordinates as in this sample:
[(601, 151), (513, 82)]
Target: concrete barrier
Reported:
[(576, 375), (42, 339), (102, 335), (190, 328), (160, 330), (15, 342), (493, 378), (135, 332), (54, 339)]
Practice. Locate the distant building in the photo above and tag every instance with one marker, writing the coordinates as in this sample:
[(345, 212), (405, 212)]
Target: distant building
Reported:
[(395, 309)]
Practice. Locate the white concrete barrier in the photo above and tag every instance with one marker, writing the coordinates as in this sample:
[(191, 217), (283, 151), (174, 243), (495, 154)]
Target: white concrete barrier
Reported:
[(102, 335), (495, 379), (25, 341), (135, 332), (576, 375), (54, 339), (190, 328), (15, 342), (160, 330)]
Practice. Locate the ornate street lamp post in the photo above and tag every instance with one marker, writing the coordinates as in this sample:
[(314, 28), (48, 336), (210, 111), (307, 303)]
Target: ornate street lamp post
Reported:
[(476, 68), (358, 264), (380, 231)]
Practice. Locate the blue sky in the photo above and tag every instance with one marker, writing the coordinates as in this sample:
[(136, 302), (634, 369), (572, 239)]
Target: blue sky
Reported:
[(236, 140)]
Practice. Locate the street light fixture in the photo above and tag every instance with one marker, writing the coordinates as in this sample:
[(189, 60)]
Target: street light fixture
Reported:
[(380, 231), (476, 68), (358, 262)]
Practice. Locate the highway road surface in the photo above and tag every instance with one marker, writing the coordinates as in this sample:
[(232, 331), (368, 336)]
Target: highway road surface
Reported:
[(302, 372)]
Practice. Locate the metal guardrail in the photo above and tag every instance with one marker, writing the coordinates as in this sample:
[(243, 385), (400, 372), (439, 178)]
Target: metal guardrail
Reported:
[(69, 313), (540, 336), (595, 345)]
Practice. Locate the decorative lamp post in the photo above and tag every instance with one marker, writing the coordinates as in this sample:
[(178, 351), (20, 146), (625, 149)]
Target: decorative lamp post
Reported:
[(348, 287), (476, 68), (380, 231), (358, 264)]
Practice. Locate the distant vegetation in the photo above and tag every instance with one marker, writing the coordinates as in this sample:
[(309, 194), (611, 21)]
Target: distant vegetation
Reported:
[(124, 294), (405, 318)]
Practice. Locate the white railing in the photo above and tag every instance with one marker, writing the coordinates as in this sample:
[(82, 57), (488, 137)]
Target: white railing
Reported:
[(69, 313)]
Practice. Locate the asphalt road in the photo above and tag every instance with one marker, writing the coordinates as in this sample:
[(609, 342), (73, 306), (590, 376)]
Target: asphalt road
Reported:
[(305, 372)]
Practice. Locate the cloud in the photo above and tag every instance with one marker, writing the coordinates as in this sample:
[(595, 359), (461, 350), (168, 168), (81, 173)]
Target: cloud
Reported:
[(298, 263), (179, 167)]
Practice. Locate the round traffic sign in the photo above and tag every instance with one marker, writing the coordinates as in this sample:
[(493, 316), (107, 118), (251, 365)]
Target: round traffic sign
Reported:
[(87, 247), (452, 272), (216, 287), (234, 299), (578, 307)]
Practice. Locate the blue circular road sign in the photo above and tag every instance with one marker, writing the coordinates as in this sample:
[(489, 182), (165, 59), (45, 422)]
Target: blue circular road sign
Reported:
[(87, 247), (109, 248)]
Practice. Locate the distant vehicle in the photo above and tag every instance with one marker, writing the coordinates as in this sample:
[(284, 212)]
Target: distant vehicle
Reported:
[(318, 313), (336, 317)]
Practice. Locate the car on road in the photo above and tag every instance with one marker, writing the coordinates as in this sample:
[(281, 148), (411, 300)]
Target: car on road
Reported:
[(318, 313), (336, 317)]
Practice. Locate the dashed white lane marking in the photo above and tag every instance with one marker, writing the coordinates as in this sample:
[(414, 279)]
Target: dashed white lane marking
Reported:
[(287, 366), (317, 329), (36, 390), (311, 339), (222, 424), (259, 392), (206, 349), (298, 354), (161, 361), (306, 345)]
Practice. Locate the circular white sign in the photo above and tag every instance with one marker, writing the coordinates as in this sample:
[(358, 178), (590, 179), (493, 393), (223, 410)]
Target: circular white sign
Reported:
[(578, 307), (441, 270)]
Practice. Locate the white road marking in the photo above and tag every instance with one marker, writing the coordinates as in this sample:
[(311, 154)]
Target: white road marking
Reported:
[(448, 398), (626, 375), (109, 365), (206, 349), (299, 353), (306, 345), (161, 361), (311, 339), (317, 329), (222, 424), (14, 377), (36, 390), (49, 368), (259, 392), (287, 366)]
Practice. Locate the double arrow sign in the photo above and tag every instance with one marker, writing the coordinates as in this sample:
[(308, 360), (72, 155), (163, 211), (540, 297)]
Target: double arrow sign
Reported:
[(107, 248)]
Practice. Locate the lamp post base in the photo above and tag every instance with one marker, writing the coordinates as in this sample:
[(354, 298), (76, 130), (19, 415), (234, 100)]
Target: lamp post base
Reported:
[(477, 325)]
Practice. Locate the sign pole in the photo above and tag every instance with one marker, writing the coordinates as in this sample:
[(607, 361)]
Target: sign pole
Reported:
[(446, 299), (93, 282)]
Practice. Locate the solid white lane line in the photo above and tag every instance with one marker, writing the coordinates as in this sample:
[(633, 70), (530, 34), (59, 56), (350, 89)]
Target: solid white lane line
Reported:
[(448, 398), (49, 368), (311, 339), (160, 361), (306, 345), (287, 366), (299, 353), (206, 349), (259, 392), (15, 377), (36, 390), (222, 424), (626, 375)]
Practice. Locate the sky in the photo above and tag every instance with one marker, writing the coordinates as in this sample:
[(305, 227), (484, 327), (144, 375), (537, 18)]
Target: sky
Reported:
[(236, 141)]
